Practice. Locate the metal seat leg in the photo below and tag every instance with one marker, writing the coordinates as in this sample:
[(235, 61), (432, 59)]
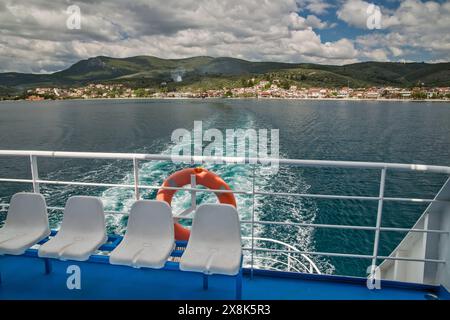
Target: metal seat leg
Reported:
[(48, 266), (205, 281)]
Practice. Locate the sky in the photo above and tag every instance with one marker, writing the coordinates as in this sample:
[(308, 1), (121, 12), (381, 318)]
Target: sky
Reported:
[(43, 36)]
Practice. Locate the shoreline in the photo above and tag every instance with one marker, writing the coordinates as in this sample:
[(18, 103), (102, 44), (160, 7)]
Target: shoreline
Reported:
[(236, 98)]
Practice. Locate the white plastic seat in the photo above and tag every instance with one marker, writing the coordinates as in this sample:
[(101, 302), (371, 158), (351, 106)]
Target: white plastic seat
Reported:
[(26, 223), (214, 245), (149, 239), (82, 231)]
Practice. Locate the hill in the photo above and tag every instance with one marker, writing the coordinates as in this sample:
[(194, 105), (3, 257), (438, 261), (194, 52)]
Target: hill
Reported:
[(208, 72)]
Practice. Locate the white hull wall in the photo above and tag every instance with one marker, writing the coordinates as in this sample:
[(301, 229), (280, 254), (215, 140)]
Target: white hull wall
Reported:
[(420, 245)]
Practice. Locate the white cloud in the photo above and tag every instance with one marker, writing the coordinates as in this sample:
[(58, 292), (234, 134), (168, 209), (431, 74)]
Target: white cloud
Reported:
[(34, 36), (412, 29), (315, 22), (356, 13), (317, 7), (396, 52), (376, 55), (307, 43)]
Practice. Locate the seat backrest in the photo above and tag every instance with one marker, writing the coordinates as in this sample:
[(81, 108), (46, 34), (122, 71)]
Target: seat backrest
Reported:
[(150, 219), (216, 225), (83, 216), (27, 211)]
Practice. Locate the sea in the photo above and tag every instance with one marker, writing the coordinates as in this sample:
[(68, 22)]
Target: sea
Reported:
[(377, 131)]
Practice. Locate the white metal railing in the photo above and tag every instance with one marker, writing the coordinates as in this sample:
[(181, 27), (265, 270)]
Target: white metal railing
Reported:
[(136, 158)]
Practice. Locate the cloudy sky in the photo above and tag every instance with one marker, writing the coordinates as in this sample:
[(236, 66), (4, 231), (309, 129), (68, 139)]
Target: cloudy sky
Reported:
[(34, 36)]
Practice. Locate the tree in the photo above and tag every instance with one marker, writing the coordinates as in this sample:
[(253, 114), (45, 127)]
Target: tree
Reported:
[(419, 95), (140, 93), (228, 94), (246, 83), (285, 84)]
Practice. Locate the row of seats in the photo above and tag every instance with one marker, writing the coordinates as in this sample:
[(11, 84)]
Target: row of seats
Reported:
[(214, 246)]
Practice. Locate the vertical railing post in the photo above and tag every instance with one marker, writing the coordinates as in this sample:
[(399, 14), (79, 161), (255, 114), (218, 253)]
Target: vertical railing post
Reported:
[(289, 260), (193, 192), (379, 219), (253, 223), (136, 178), (34, 173)]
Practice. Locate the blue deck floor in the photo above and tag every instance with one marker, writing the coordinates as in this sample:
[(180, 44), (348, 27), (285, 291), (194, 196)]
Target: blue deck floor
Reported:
[(24, 278)]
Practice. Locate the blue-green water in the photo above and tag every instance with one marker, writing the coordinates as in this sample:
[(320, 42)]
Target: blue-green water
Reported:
[(405, 132)]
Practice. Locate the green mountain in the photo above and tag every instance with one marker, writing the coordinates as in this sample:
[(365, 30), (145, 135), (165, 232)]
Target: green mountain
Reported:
[(209, 72), (392, 73)]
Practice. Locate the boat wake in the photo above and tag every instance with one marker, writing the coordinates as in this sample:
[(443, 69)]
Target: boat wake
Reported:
[(238, 177)]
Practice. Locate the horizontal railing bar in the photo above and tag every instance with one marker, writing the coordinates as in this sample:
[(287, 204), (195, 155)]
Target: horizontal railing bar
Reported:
[(339, 226), (107, 211), (305, 195), (411, 259), (243, 160), (296, 224), (331, 254), (343, 255), (115, 185), (399, 199), (3, 206), (313, 225), (16, 180), (85, 184), (344, 197), (413, 230), (308, 195)]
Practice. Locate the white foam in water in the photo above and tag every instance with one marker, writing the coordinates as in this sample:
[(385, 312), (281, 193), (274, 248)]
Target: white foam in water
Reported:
[(239, 177)]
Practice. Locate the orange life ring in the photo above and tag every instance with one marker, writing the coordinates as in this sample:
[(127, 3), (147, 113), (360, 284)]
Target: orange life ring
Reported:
[(203, 177)]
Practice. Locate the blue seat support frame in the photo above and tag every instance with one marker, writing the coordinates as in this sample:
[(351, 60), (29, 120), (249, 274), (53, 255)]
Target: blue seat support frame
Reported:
[(238, 278), (113, 241)]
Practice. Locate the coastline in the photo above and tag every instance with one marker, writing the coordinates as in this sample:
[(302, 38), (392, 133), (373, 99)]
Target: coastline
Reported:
[(236, 98)]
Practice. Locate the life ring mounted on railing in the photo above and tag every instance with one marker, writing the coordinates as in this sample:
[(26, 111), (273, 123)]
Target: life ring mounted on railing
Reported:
[(203, 177)]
